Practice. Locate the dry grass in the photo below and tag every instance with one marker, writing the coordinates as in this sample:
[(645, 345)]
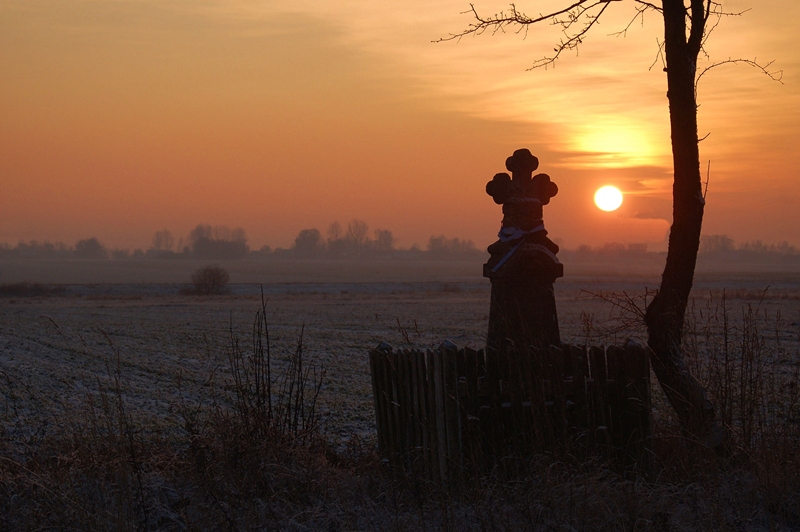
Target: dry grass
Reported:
[(250, 453)]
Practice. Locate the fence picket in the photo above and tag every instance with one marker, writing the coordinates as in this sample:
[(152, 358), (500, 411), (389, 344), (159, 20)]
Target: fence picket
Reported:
[(441, 428), (581, 408), (452, 417), (436, 465), (375, 358)]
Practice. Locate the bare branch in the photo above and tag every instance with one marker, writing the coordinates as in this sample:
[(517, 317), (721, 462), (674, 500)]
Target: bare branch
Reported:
[(776, 75), (580, 16), (659, 55), (714, 9), (709, 30), (575, 20), (627, 311), (640, 11), (572, 41), (499, 21), (650, 6)]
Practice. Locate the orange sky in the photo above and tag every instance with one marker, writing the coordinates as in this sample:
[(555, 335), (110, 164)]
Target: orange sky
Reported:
[(121, 118)]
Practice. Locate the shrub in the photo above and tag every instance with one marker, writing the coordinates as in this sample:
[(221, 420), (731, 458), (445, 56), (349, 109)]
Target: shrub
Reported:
[(210, 280)]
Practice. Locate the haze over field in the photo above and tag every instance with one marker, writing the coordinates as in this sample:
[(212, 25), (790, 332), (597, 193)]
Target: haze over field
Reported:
[(123, 118)]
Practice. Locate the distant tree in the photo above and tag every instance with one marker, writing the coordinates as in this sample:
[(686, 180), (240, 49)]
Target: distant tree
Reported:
[(218, 242), (438, 244), (90, 248), (356, 238), (337, 247), (201, 232), (334, 232), (163, 240), (384, 240), (210, 280), (357, 231), (715, 243), (308, 243)]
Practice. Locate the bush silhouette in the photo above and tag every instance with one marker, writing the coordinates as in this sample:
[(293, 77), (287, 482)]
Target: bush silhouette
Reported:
[(210, 280)]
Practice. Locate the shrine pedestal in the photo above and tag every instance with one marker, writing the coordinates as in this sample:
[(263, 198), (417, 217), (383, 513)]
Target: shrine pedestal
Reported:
[(522, 309)]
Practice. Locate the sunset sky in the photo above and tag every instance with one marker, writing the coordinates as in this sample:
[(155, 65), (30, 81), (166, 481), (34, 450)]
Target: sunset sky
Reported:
[(122, 118)]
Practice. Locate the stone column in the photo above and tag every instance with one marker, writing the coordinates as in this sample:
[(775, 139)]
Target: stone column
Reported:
[(523, 265)]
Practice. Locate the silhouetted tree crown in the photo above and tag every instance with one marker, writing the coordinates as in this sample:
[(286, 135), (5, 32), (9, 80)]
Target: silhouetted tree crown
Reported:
[(90, 248), (308, 243), (384, 240), (163, 240)]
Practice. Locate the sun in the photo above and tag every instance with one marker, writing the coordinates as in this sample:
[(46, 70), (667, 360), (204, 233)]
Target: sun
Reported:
[(608, 198)]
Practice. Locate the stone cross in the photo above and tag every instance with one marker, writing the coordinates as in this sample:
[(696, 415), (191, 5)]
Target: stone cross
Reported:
[(523, 265)]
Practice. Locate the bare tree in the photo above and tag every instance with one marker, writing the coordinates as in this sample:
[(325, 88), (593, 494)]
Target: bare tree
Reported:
[(334, 232), (687, 25), (357, 231), (163, 240)]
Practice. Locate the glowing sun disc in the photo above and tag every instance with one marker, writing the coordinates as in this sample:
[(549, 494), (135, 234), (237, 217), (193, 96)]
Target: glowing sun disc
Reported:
[(608, 198)]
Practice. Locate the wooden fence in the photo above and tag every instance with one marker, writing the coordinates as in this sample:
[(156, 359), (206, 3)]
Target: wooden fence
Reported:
[(442, 412)]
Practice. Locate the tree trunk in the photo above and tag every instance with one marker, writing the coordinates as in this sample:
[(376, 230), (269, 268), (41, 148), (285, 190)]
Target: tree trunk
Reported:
[(665, 314)]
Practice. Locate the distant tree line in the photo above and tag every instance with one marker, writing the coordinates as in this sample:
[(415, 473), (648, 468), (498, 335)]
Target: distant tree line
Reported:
[(203, 242), (721, 248), (722, 244), (356, 241), (206, 242), (609, 249), (712, 247)]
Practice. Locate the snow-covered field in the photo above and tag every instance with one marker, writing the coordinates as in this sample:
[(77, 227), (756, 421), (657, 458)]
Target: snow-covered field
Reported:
[(170, 348)]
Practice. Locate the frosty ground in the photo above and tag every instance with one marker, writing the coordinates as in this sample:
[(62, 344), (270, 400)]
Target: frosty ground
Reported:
[(170, 348)]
